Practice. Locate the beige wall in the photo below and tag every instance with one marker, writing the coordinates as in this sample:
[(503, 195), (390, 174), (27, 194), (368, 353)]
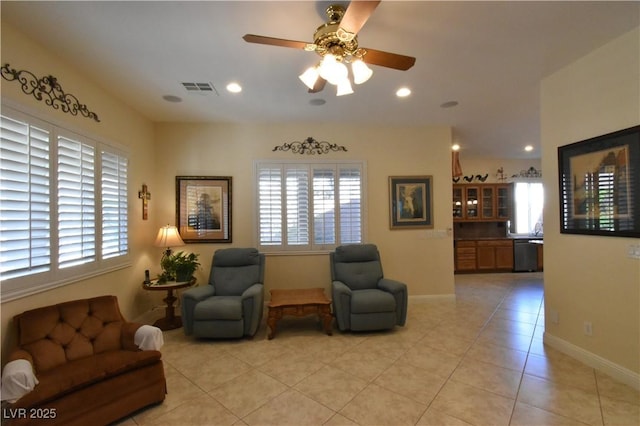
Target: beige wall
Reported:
[(423, 261), (118, 124), (591, 278)]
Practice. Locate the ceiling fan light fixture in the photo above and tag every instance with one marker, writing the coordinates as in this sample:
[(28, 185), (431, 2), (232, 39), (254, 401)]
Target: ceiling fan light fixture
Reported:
[(309, 77), (344, 87), (332, 70), (361, 72)]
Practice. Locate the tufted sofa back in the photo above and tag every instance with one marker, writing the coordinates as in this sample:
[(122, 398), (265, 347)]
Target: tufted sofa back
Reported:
[(68, 331)]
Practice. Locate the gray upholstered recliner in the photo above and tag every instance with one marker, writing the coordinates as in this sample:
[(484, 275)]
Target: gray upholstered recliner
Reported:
[(231, 304), (362, 298)]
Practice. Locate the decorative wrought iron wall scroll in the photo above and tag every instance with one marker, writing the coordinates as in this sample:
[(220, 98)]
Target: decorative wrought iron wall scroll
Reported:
[(47, 89), (310, 146)]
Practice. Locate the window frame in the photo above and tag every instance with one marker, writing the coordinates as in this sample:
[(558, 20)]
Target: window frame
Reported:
[(311, 247), (25, 285), (514, 222)]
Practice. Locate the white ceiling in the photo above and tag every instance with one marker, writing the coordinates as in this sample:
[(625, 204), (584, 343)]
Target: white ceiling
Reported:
[(488, 56)]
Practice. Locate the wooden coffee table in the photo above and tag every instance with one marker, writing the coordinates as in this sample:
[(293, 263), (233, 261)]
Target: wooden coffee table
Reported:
[(299, 303)]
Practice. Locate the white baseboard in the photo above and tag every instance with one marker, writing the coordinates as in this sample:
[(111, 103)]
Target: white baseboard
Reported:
[(616, 371), (432, 297)]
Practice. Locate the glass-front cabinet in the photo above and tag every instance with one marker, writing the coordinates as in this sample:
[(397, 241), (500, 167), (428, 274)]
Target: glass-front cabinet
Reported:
[(486, 202), (472, 202), (457, 203), (488, 210), (503, 201)]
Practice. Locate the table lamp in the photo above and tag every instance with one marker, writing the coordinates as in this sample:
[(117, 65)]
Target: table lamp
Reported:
[(168, 236)]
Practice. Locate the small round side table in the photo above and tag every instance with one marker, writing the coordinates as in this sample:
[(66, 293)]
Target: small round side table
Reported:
[(170, 320)]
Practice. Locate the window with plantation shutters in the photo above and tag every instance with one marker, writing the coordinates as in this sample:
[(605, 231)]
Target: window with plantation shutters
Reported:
[(76, 203), (270, 205), (309, 206), (63, 206), (115, 240), (25, 217)]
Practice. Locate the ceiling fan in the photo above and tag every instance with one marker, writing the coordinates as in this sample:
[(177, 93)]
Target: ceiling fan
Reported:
[(336, 42)]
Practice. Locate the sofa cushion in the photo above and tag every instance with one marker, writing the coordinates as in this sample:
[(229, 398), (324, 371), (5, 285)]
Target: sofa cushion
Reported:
[(77, 374), (370, 301), (219, 308)]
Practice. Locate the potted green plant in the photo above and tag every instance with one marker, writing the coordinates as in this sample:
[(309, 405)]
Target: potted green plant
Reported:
[(178, 267), (185, 265)]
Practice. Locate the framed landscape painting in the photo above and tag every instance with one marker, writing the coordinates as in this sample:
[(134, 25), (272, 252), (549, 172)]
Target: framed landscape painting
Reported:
[(599, 182), (203, 208), (411, 202)]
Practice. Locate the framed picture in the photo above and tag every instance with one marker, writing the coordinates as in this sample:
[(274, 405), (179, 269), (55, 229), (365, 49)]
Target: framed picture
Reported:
[(599, 182), (203, 208), (411, 202)]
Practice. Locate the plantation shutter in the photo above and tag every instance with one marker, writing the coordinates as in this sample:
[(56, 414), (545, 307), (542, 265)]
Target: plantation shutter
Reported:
[(25, 197), (270, 205), (76, 203), (114, 205), (324, 206), (297, 191), (350, 194)]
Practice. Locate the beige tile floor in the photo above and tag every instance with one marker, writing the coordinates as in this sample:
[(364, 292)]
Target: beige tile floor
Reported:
[(478, 360)]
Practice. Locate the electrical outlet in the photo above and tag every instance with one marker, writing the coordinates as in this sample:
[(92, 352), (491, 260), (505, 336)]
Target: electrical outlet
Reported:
[(588, 328), (633, 251)]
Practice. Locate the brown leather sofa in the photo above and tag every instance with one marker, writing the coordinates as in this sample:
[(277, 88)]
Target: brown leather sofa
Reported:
[(89, 369)]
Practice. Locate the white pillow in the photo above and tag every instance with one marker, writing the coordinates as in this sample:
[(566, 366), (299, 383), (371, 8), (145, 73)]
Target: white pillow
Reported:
[(17, 380), (148, 338)]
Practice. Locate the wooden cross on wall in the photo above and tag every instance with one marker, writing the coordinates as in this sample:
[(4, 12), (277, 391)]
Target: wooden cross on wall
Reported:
[(145, 196)]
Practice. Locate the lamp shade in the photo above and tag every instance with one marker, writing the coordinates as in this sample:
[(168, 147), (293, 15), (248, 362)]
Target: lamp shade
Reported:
[(344, 87), (309, 77), (168, 236), (361, 72)]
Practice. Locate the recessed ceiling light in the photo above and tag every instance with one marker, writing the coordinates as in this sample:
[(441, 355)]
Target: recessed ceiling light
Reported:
[(234, 87), (528, 148), (317, 102), (449, 104), (455, 147), (172, 98), (403, 92)]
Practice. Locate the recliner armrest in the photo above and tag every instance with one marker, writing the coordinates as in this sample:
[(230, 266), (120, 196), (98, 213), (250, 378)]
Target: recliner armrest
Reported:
[(255, 290), (341, 295), (340, 288), (252, 306), (392, 286), (199, 293), (399, 291)]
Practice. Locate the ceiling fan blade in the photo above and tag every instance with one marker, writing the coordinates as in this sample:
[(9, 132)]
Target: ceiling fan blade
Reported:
[(320, 82), (357, 14), (389, 60), (272, 41)]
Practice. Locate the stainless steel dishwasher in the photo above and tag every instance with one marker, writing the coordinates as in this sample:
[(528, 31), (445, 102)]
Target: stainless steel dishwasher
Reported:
[(525, 256)]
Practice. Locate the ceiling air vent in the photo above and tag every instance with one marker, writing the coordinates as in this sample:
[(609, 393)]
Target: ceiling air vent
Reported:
[(199, 87)]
